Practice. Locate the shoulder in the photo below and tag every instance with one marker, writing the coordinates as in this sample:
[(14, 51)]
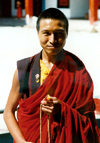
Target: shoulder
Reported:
[(77, 66), (74, 61), (23, 63), (26, 62), (24, 67)]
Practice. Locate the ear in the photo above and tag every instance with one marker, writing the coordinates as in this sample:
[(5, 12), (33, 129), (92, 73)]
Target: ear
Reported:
[(66, 35), (37, 32)]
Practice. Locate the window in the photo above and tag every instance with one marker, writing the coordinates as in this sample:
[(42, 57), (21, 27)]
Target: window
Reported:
[(63, 3), (22, 3)]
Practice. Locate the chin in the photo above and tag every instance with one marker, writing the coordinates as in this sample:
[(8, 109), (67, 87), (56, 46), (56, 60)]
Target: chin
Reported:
[(52, 53)]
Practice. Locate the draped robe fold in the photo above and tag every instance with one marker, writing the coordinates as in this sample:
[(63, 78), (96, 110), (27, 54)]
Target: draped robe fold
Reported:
[(70, 82)]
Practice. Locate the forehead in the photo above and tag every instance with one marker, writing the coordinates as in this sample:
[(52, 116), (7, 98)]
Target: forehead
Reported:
[(46, 24)]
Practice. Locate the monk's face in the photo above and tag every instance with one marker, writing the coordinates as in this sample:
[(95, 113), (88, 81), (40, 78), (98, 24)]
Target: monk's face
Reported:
[(52, 35)]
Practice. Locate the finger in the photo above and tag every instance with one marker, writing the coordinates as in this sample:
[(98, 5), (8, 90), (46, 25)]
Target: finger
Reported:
[(43, 102), (54, 100), (46, 102), (48, 109), (51, 107), (50, 98)]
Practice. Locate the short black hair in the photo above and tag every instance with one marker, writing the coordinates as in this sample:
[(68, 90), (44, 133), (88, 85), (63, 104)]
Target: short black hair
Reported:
[(52, 13)]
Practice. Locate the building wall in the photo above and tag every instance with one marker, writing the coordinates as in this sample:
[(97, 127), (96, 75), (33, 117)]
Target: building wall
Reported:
[(50, 3), (79, 8), (53, 3)]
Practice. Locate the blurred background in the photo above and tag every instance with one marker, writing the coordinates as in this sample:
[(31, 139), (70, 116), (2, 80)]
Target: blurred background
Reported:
[(18, 39)]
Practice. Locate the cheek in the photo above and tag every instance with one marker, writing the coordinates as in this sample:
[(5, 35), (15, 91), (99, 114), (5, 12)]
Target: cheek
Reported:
[(62, 41), (43, 40)]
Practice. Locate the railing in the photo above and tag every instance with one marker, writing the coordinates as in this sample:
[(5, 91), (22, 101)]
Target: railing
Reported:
[(1, 111), (97, 112), (5, 137)]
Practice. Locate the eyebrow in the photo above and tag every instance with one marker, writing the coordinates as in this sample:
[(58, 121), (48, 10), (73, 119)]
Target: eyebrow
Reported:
[(57, 30)]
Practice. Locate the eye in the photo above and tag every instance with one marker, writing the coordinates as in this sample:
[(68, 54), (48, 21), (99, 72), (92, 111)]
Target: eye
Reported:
[(59, 33), (46, 33)]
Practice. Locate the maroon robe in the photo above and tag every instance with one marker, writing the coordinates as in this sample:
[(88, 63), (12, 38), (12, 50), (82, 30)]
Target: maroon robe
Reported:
[(70, 82)]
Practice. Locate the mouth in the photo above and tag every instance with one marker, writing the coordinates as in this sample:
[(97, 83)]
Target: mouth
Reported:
[(53, 46)]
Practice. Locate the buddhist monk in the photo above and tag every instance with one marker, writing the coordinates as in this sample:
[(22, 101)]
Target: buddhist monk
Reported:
[(58, 82)]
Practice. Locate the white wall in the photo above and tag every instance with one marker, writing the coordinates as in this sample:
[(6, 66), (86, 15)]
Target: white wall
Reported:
[(50, 3), (14, 11), (79, 8)]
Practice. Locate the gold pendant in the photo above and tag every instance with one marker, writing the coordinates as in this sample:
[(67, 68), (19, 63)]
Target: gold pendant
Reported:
[(37, 78)]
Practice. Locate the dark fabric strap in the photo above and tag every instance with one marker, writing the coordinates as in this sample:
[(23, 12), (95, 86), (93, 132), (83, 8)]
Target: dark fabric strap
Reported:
[(23, 74), (28, 69), (34, 78)]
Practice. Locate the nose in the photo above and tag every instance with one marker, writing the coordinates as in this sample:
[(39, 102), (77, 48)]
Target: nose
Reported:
[(52, 38)]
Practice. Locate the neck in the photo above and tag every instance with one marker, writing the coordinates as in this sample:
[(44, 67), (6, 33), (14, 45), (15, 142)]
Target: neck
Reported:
[(50, 60)]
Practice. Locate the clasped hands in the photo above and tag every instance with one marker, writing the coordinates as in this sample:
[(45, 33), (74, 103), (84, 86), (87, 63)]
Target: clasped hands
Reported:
[(50, 105)]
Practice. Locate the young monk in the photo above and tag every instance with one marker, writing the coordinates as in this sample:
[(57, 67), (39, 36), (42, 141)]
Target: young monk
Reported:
[(59, 74)]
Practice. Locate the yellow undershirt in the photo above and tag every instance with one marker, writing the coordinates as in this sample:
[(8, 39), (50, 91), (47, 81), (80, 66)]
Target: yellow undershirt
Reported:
[(44, 71)]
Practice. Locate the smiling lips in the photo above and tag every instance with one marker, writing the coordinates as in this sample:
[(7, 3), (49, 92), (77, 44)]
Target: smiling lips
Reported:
[(53, 46)]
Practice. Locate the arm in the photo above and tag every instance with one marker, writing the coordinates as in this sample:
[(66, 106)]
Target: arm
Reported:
[(9, 112)]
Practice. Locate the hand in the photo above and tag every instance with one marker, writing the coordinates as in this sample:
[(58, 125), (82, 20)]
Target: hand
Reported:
[(50, 105), (28, 142)]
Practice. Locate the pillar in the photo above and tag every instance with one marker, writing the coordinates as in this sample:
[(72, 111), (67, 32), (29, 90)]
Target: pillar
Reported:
[(93, 11), (28, 10), (29, 7)]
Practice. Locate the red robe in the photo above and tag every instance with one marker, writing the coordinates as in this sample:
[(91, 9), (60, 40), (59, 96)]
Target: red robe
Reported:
[(70, 82)]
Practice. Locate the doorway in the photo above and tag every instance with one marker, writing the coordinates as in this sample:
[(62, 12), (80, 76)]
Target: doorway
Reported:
[(5, 8), (37, 7)]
